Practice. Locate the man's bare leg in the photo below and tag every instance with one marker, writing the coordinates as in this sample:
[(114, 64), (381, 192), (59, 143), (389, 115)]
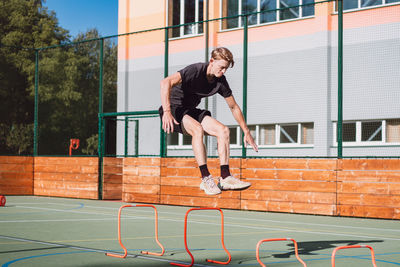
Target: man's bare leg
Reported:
[(215, 128), (194, 128)]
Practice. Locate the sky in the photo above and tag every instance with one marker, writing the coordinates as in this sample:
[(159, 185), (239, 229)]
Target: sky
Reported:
[(77, 16)]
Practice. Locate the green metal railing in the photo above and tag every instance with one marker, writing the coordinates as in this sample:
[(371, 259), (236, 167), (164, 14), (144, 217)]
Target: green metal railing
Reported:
[(163, 150), (163, 143), (340, 81)]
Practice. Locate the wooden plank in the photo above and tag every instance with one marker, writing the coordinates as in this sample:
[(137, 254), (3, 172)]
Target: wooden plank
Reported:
[(141, 179), (200, 201), (196, 192), (141, 198), (301, 186), (289, 196), (141, 188), (392, 201), (367, 211), (25, 160), (290, 207), (16, 190)]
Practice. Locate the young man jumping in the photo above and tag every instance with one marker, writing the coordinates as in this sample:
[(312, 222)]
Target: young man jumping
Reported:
[(181, 93)]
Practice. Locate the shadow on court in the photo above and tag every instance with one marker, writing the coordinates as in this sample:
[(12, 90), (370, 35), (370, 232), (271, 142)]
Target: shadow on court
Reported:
[(304, 248), (309, 247)]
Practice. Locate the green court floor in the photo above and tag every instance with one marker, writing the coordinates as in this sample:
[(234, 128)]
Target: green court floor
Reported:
[(44, 231)]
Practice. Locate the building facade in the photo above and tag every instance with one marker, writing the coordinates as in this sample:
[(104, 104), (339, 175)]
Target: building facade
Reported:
[(292, 72)]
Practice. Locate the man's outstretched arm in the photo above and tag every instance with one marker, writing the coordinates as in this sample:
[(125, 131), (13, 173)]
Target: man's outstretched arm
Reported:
[(166, 86), (238, 115)]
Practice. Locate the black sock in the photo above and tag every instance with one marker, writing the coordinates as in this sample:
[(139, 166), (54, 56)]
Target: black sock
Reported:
[(225, 171), (204, 171)]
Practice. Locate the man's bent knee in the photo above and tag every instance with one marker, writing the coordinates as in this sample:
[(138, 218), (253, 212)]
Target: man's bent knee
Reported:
[(194, 129), (224, 132)]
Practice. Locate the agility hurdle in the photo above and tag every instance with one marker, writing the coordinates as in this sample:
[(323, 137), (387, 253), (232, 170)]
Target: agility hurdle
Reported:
[(278, 239), (354, 246), (119, 233), (222, 240)]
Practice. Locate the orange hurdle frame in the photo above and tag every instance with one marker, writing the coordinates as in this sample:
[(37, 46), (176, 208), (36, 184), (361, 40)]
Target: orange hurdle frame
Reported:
[(278, 239), (222, 240), (354, 246), (119, 233)]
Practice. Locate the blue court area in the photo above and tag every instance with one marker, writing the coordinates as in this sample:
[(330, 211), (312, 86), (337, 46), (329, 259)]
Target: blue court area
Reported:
[(43, 231)]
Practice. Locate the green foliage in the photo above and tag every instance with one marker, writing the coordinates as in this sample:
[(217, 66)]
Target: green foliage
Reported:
[(91, 145), (68, 81), (19, 138)]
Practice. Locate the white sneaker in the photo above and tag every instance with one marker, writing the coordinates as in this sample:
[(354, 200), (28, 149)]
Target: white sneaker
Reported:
[(209, 186), (232, 183)]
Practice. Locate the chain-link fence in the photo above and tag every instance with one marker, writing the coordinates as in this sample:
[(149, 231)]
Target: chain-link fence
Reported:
[(312, 81)]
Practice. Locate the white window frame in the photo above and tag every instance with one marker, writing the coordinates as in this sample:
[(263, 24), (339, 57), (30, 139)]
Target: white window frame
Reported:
[(238, 137), (180, 144), (182, 20), (278, 20), (277, 144), (359, 141), (278, 136), (384, 3)]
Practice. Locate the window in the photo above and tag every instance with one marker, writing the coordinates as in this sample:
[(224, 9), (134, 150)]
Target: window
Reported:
[(179, 140), (307, 133), (233, 137), (275, 135), (186, 140), (296, 134), (182, 12), (278, 10), (288, 134), (267, 135), (370, 132), (349, 132), (356, 4), (393, 131), (173, 139)]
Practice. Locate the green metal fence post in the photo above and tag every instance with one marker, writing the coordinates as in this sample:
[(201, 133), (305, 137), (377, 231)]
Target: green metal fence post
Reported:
[(100, 133), (340, 81), (206, 102), (163, 136), (245, 48), (126, 137), (206, 34), (136, 138), (36, 115)]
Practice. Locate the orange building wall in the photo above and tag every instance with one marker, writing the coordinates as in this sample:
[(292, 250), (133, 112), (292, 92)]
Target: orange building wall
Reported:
[(137, 15)]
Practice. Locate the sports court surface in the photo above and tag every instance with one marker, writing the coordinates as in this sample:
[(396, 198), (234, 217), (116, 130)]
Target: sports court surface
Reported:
[(44, 231)]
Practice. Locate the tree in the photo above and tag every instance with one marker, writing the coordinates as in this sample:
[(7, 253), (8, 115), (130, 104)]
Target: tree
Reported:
[(68, 81), (23, 26), (69, 105)]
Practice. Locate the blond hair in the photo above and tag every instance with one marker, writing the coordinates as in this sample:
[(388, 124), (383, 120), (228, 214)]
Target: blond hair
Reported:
[(223, 53)]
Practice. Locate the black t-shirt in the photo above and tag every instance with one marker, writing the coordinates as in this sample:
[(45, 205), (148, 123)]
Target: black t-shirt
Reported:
[(195, 86)]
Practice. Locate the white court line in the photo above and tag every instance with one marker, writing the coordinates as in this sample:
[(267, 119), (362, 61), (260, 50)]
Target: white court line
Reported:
[(208, 216), (237, 225), (91, 249), (57, 220), (267, 220)]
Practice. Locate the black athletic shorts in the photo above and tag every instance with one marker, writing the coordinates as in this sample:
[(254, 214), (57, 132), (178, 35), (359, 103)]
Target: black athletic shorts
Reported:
[(179, 112)]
